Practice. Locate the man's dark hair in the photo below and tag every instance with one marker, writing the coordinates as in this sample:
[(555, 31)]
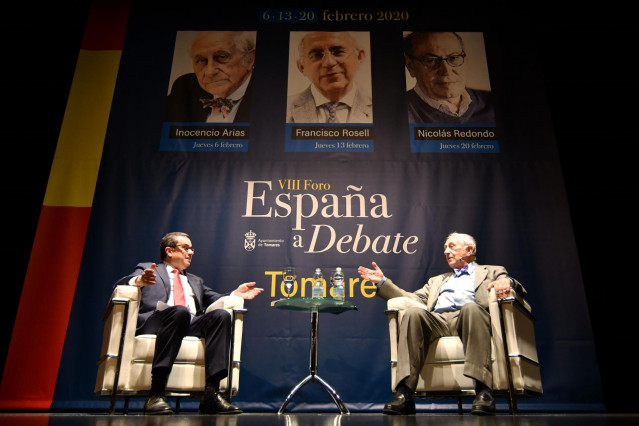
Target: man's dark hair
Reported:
[(170, 240)]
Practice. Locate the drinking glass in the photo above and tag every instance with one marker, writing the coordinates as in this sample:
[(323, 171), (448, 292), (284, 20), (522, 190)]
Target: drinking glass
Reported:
[(289, 277)]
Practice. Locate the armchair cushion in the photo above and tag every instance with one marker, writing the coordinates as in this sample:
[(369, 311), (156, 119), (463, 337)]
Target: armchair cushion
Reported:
[(191, 351)]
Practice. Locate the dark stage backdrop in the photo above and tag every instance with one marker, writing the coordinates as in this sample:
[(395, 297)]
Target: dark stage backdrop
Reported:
[(256, 196)]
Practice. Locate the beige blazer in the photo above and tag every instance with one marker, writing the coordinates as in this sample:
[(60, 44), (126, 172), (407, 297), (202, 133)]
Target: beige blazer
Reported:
[(428, 294), (301, 108)]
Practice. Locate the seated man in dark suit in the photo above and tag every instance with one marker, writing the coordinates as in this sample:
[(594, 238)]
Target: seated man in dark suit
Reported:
[(219, 89), (173, 305), (456, 304), (437, 61)]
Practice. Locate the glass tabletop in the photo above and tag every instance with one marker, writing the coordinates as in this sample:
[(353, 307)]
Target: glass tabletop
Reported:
[(308, 304)]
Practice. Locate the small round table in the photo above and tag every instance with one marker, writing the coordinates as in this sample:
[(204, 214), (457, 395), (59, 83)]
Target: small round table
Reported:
[(315, 306)]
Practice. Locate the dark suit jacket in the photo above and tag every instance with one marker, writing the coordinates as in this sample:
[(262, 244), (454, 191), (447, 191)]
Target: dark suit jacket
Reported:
[(183, 103), (151, 294), (428, 294)]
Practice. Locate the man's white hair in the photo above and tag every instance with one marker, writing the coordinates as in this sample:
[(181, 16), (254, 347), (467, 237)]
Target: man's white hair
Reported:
[(244, 40), (466, 239)]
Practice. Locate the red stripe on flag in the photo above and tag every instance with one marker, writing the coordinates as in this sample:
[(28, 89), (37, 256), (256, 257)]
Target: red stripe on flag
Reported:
[(106, 25), (31, 368)]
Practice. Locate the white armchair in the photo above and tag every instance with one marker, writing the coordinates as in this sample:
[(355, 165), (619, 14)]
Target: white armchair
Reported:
[(124, 367), (516, 374)]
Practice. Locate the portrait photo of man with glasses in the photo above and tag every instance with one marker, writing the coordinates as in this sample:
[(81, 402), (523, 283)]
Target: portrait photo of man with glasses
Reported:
[(333, 84), (447, 78)]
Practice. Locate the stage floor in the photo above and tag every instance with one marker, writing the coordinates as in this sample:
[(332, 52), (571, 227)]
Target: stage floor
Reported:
[(313, 419)]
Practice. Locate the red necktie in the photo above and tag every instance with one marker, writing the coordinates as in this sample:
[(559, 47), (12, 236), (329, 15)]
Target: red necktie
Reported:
[(178, 290)]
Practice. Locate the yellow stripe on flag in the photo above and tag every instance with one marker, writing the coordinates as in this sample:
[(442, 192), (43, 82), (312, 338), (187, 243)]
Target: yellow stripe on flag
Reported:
[(76, 163)]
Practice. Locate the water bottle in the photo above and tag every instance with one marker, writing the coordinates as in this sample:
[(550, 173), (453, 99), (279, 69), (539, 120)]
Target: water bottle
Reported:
[(318, 284), (338, 284)]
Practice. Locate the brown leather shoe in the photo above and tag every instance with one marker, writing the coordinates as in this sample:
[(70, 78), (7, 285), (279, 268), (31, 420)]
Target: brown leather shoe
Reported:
[(400, 405), (484, 403), (214, 403), (157, 404)]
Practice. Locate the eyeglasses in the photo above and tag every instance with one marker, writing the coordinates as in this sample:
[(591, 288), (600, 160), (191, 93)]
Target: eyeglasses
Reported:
[(185, 249), (433, 62), (338, 53)]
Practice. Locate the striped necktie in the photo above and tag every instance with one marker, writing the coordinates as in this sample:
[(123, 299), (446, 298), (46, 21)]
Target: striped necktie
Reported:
[(331, 107)]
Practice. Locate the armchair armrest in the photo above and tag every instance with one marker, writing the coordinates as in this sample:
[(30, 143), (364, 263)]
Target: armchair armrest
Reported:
[(235, 306), (397, 306), (512, 297), (126, 292), (513, 335), (227, 302), (395, 310), (120, 319), (122, 310), (402, 303), (122, 294)]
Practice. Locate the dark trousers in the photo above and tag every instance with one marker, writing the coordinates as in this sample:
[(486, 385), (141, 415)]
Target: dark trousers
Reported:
[(173, 323)]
